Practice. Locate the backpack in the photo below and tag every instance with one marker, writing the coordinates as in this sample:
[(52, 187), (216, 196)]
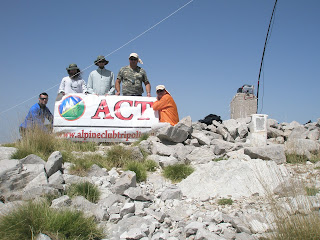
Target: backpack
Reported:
[(208, 119)]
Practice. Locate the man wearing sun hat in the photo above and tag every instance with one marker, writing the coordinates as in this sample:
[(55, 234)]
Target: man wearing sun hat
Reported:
[(166, 106), (101, 81), (74, 82), (132, 77)]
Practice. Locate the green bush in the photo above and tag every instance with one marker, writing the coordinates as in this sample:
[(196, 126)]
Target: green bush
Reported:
[(225, 201), (150, 165), (85, 189), (35, 141), (177, 172), (118, 156), (295, 158), (312, 191), (82, 164), (315, 158), (139, 168), (30, 219)]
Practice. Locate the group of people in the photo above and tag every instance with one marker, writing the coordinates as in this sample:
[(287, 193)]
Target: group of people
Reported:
[(101, 82)]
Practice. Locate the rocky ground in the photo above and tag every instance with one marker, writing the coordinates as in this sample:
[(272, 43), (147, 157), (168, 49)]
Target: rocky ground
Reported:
[(159, 209)]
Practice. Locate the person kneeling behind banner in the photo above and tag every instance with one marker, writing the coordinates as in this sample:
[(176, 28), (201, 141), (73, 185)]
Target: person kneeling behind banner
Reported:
[(166, 106)]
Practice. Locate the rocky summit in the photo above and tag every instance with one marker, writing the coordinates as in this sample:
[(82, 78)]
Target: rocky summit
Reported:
[(227, 166)]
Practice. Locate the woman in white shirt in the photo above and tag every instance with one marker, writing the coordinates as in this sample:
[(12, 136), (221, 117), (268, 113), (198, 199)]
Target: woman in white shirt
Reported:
[(74, 82)]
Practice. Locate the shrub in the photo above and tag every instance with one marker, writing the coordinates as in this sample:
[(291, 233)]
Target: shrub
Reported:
[(85, 189), (118, 156), (315, 158), (150, 165), (82, 164), (312, 191), (41, 143), (30, 219), (139, 168), (225, 201), (35, 141), (177, 172), (295, 158)]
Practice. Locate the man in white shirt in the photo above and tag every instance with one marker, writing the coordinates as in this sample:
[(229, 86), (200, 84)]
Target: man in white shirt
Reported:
[(74, 82), (101, 81)]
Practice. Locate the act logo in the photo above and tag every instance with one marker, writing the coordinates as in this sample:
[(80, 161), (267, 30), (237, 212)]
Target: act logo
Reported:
[(72, 108)]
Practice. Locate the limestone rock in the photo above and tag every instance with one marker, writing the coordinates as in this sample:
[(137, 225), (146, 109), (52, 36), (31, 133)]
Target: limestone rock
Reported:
[(32, 159), (127, 179), (96, 171), (236, 178), (54, 163), (6, 152), (172, 192), (272, 152), (200, 155), (178, 133)]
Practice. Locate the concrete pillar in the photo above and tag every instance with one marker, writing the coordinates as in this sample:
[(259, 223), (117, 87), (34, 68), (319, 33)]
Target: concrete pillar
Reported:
[(243, 105), (258, 130)]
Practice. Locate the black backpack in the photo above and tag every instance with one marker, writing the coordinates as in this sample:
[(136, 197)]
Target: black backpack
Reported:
[(208, 119)]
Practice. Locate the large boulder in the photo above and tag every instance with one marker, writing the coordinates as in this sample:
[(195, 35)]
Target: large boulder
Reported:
[(233, 178), (302, 147), (272, 152), (178, 133), (232, 126)]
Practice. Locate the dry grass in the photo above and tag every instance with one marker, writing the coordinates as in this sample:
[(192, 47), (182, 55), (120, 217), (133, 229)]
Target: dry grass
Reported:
[(295, 216), (41, 143)]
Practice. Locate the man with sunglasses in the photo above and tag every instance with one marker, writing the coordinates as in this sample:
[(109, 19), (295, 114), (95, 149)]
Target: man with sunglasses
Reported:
[(37, 115), (166, 106), (132, 77)]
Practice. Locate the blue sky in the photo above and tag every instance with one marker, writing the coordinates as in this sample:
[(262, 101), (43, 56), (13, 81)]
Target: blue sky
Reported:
[(203, 53)]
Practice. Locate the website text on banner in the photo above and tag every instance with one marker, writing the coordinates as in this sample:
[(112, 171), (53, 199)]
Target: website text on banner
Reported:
[(112, 118)]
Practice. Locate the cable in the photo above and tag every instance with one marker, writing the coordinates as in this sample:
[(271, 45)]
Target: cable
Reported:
[(135, 38)]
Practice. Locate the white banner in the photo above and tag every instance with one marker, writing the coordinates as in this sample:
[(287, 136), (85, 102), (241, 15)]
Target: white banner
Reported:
[(112, 118)]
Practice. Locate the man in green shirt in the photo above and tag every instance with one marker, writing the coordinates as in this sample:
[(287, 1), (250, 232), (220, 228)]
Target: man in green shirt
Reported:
[(132, 77)]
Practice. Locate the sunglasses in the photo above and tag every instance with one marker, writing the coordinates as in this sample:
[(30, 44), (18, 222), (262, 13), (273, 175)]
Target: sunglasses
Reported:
[(133, 59), (159, 91), (43, 98)]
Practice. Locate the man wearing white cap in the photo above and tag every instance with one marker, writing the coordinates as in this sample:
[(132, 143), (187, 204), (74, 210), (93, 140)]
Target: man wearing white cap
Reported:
[(166, 106), (132, 77)]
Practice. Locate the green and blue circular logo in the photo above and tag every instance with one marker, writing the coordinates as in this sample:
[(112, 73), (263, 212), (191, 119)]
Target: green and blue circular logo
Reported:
[(72, 108)]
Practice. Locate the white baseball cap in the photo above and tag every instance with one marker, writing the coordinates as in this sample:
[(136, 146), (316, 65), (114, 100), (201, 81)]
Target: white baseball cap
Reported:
[(161, 87), (135, 55)]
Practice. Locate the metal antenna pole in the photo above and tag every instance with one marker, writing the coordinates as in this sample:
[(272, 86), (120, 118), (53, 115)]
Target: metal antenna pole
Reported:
[(264, 49)]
